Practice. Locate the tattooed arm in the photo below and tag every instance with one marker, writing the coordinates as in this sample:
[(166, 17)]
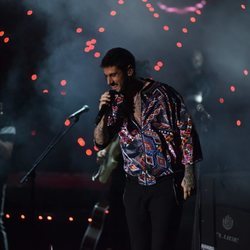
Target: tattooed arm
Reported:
[(188, 182)]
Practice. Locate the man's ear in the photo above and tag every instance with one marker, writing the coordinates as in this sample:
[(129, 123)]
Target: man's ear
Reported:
[(130, 71)]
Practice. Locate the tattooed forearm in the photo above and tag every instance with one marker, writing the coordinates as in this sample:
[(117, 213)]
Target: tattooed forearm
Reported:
[(189, 176), (100, 133)]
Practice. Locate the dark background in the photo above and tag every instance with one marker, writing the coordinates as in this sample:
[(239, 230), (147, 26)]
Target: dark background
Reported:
[(46, 44)]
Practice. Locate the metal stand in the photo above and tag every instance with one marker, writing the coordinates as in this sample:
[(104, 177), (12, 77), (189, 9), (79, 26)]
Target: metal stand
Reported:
[(31, 174)]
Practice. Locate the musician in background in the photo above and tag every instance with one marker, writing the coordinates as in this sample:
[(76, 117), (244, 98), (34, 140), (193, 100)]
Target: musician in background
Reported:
[(7, 134), (111, 172)]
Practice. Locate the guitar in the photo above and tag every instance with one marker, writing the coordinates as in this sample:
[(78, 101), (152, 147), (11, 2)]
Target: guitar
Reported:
[(107, 160), (95, 227)]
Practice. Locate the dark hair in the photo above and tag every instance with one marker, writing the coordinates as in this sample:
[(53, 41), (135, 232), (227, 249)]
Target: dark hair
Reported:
[(119, 57)]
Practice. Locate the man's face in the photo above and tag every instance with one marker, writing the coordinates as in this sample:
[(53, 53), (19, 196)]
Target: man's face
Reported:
[(116, 78)]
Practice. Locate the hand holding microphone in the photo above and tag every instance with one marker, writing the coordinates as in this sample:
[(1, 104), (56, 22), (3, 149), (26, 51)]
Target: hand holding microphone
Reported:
[(105, 102)]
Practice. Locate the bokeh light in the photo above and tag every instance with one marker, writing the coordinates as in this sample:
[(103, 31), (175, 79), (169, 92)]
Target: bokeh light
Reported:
[(156, 15), (113, 13), (166, 27), (101, 29), (238, 123), (34, 77), (67, 123), (192, 19), (221, 100), (184, 30), (232, 88), (81, 141), (89, 152), (179, 44), (121, 2), (243, 6), (29, 12), (245, 72), (63, 82), (79, 30), (6, 39), (71, 218), (157, 68), (97, 54)]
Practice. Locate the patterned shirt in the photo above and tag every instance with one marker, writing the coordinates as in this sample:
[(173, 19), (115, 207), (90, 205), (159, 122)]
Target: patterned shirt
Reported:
[(163, 141)]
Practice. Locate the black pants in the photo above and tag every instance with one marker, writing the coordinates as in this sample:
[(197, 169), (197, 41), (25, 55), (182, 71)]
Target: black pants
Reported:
[(153, 214)]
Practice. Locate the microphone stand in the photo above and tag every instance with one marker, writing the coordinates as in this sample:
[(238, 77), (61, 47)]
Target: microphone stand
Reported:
[(31, 174)]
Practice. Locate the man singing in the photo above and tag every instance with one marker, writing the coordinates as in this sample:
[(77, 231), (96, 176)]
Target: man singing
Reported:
[(159, 146)]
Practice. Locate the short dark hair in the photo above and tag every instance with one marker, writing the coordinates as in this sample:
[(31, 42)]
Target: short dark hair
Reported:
[(119, 57)]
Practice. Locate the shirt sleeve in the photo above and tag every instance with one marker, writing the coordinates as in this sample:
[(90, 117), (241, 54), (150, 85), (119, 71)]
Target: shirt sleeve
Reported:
[(190, 144), (186, 136)]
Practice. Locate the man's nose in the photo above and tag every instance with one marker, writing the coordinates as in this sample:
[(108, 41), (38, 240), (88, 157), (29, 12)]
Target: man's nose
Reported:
[(109, 80)]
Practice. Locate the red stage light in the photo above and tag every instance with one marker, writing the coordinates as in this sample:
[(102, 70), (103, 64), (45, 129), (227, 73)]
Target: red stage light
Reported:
[(81, 141), (179, 44), (67, 123), (184, 30), (91, 47), (121, 2), (243, 6), (166, 27), (148, 5), (232, 88), (89, 152), (156, 15), (40, 217), (221, 100), (29, 12), (34, 77), (151, 9), (192, 19), (22, 217), (97, 54), (157, 68), (63, 82), (79, 30), (160, 63), (6, 39), (45, 91), (88, 43), (1, 33), (198, 12), (238, 123), (87, 49), (245, 72), (101, 29), (93, 41), (96, 148), (113, 13)]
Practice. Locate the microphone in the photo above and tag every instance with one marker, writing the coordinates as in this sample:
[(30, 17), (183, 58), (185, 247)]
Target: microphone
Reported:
[(200, 108), (85, 108), (104, 109)]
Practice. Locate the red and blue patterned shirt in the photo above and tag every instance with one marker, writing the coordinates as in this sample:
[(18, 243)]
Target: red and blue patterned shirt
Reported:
[(162, 141)]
